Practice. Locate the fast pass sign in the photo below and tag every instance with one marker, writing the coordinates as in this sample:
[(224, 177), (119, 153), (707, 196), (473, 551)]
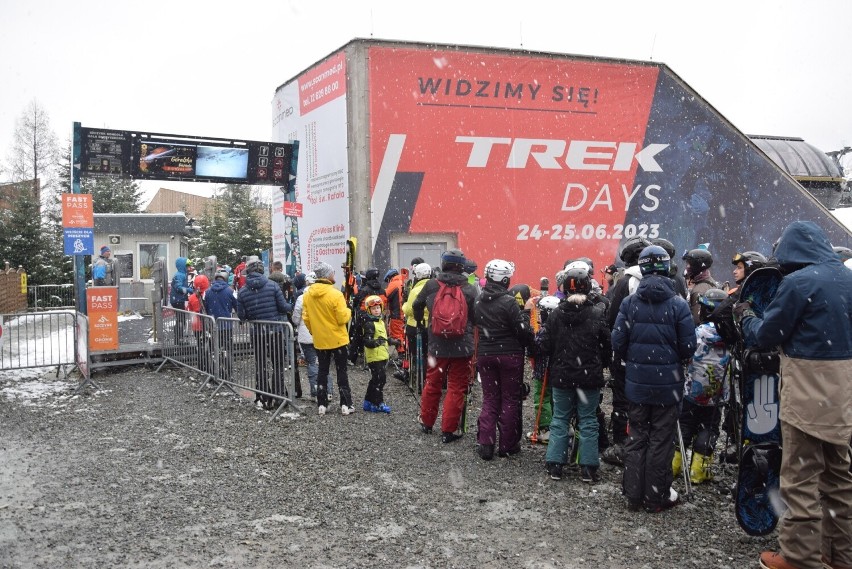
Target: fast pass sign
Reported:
[(102, 308)]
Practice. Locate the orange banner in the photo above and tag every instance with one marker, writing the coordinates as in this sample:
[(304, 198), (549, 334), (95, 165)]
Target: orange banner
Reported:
[(102, 304), (77, 211)]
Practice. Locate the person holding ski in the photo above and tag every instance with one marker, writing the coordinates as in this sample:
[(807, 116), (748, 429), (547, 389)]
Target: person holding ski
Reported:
[(654, 335), (810, 318), (421, 273), (376, 353), (576, 341), (707, 388), (449, 300), (624, 287), (504, 332)]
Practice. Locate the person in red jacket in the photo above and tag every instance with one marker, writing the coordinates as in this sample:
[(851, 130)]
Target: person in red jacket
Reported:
[(394, 294), (202, 339)]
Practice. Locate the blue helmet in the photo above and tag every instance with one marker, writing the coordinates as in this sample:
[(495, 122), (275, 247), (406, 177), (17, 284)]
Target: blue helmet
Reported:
[(654, 260), (390, 274)]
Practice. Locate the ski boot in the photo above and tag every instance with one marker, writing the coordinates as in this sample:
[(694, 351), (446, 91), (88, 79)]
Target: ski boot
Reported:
[(677, 464), (699, 468)]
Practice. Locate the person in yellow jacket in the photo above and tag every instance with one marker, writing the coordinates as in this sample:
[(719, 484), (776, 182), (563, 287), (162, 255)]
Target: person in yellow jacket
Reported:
[(326, 315), (376, 353), (421, 273)]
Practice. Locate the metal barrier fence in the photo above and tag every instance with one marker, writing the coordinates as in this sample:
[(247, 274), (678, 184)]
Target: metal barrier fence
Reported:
[(38, 339), (50, 297), (246, 357)]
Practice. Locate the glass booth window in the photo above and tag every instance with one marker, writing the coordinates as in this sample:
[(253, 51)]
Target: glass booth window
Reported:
[(148, 254)]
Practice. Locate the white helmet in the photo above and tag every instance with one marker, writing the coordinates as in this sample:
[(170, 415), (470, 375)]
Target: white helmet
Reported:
[(310, 277), (548, 302), (578, 265), (422, 271), (497, 269)]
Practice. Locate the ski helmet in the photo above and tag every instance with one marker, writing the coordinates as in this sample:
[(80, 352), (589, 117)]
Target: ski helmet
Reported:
[(521, 292), (665, 244), (470, 266), (631, 250), (390, 274), (654, 260), (254, 264), (560, 279), (548, 302), (578, 280), (697, 260), (751, 260), (416, 261), (843, 253), (372, 274), (499, 271), (588, 262), (222, 275), (578, 264), (372, 301), (712, 297), (310, 277), (452, 260), (422, 271)]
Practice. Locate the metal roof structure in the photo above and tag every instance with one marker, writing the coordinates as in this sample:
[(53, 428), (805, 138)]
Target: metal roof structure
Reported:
[(803, 161)]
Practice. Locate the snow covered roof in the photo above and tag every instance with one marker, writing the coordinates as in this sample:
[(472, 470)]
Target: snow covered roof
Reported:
[(173, 223)]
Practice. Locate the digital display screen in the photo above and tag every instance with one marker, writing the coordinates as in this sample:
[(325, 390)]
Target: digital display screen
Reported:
[(164, 159), (219, 162)]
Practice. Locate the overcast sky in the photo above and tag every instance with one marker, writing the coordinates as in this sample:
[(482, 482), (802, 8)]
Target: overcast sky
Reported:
[(211, 67)]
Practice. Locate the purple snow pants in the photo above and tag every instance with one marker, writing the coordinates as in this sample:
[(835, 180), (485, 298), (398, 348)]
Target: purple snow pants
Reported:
[(502, 377)]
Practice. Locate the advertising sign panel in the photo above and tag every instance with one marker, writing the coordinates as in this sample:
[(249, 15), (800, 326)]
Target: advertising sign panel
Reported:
[(77, 210), (102, 305), (79, 241), (312, 110), (539, 160)]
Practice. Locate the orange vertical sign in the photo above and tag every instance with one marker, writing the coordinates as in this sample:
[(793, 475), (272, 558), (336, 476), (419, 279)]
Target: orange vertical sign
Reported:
[(77, 210), (102, 304)]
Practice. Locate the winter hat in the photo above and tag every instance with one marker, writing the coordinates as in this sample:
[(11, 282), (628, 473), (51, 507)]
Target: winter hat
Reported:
[(323, 271), (105, 249)]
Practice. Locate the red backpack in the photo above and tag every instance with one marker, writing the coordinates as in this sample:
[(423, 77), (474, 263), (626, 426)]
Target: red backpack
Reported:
[(449, 312)]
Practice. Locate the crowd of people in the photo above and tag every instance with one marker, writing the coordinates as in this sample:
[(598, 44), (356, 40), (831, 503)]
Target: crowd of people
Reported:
[(665, 333)]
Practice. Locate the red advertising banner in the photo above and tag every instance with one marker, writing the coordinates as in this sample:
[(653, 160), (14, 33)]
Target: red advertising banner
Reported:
[(531, 159), (324, 83), (102, 305), (77, 211), (292, 209)]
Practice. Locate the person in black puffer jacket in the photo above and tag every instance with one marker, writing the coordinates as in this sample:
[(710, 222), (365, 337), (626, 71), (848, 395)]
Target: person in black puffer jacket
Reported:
[(577, 339), (655, 336), (504, 333)]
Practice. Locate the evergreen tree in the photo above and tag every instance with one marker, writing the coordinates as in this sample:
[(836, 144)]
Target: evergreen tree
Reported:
[(230, 226)]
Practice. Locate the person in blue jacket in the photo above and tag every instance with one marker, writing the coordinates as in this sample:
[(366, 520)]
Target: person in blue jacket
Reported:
[(654, 335), (262, 299), (220, 302), (810, 318), (178, 295)]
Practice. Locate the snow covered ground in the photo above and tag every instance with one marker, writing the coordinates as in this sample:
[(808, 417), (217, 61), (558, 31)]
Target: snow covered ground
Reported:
[(844, 215)]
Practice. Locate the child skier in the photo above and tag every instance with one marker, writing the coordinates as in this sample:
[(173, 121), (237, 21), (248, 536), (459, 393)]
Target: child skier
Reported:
[(376, 354), (577, 341), (195, 303), (705, 391)]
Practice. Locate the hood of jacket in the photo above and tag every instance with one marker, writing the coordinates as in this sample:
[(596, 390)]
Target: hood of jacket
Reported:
[(492, 291), (573, 307), (451, 278), (319, 289), (218, 285), (256, 281), (803, 243), (655, 289), (180, 264), (299, 281)]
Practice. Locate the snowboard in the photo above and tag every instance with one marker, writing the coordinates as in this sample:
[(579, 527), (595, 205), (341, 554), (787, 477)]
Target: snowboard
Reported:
[(757, 500)]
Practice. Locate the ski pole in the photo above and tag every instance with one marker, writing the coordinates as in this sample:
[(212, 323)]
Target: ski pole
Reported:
[(687, 484), (534, 437)]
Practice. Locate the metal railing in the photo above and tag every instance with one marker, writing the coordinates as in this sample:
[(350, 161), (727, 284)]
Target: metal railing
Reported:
[(50, 297), (38, 339), (254, 357)]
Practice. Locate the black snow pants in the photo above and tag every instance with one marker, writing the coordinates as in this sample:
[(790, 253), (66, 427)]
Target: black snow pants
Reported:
[(648, 464)]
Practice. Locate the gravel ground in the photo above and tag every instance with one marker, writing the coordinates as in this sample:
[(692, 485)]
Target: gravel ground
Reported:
[(146, 472)]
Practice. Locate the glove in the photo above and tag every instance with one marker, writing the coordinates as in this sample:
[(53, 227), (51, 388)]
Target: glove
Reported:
[(393, 341), (742, 310)]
